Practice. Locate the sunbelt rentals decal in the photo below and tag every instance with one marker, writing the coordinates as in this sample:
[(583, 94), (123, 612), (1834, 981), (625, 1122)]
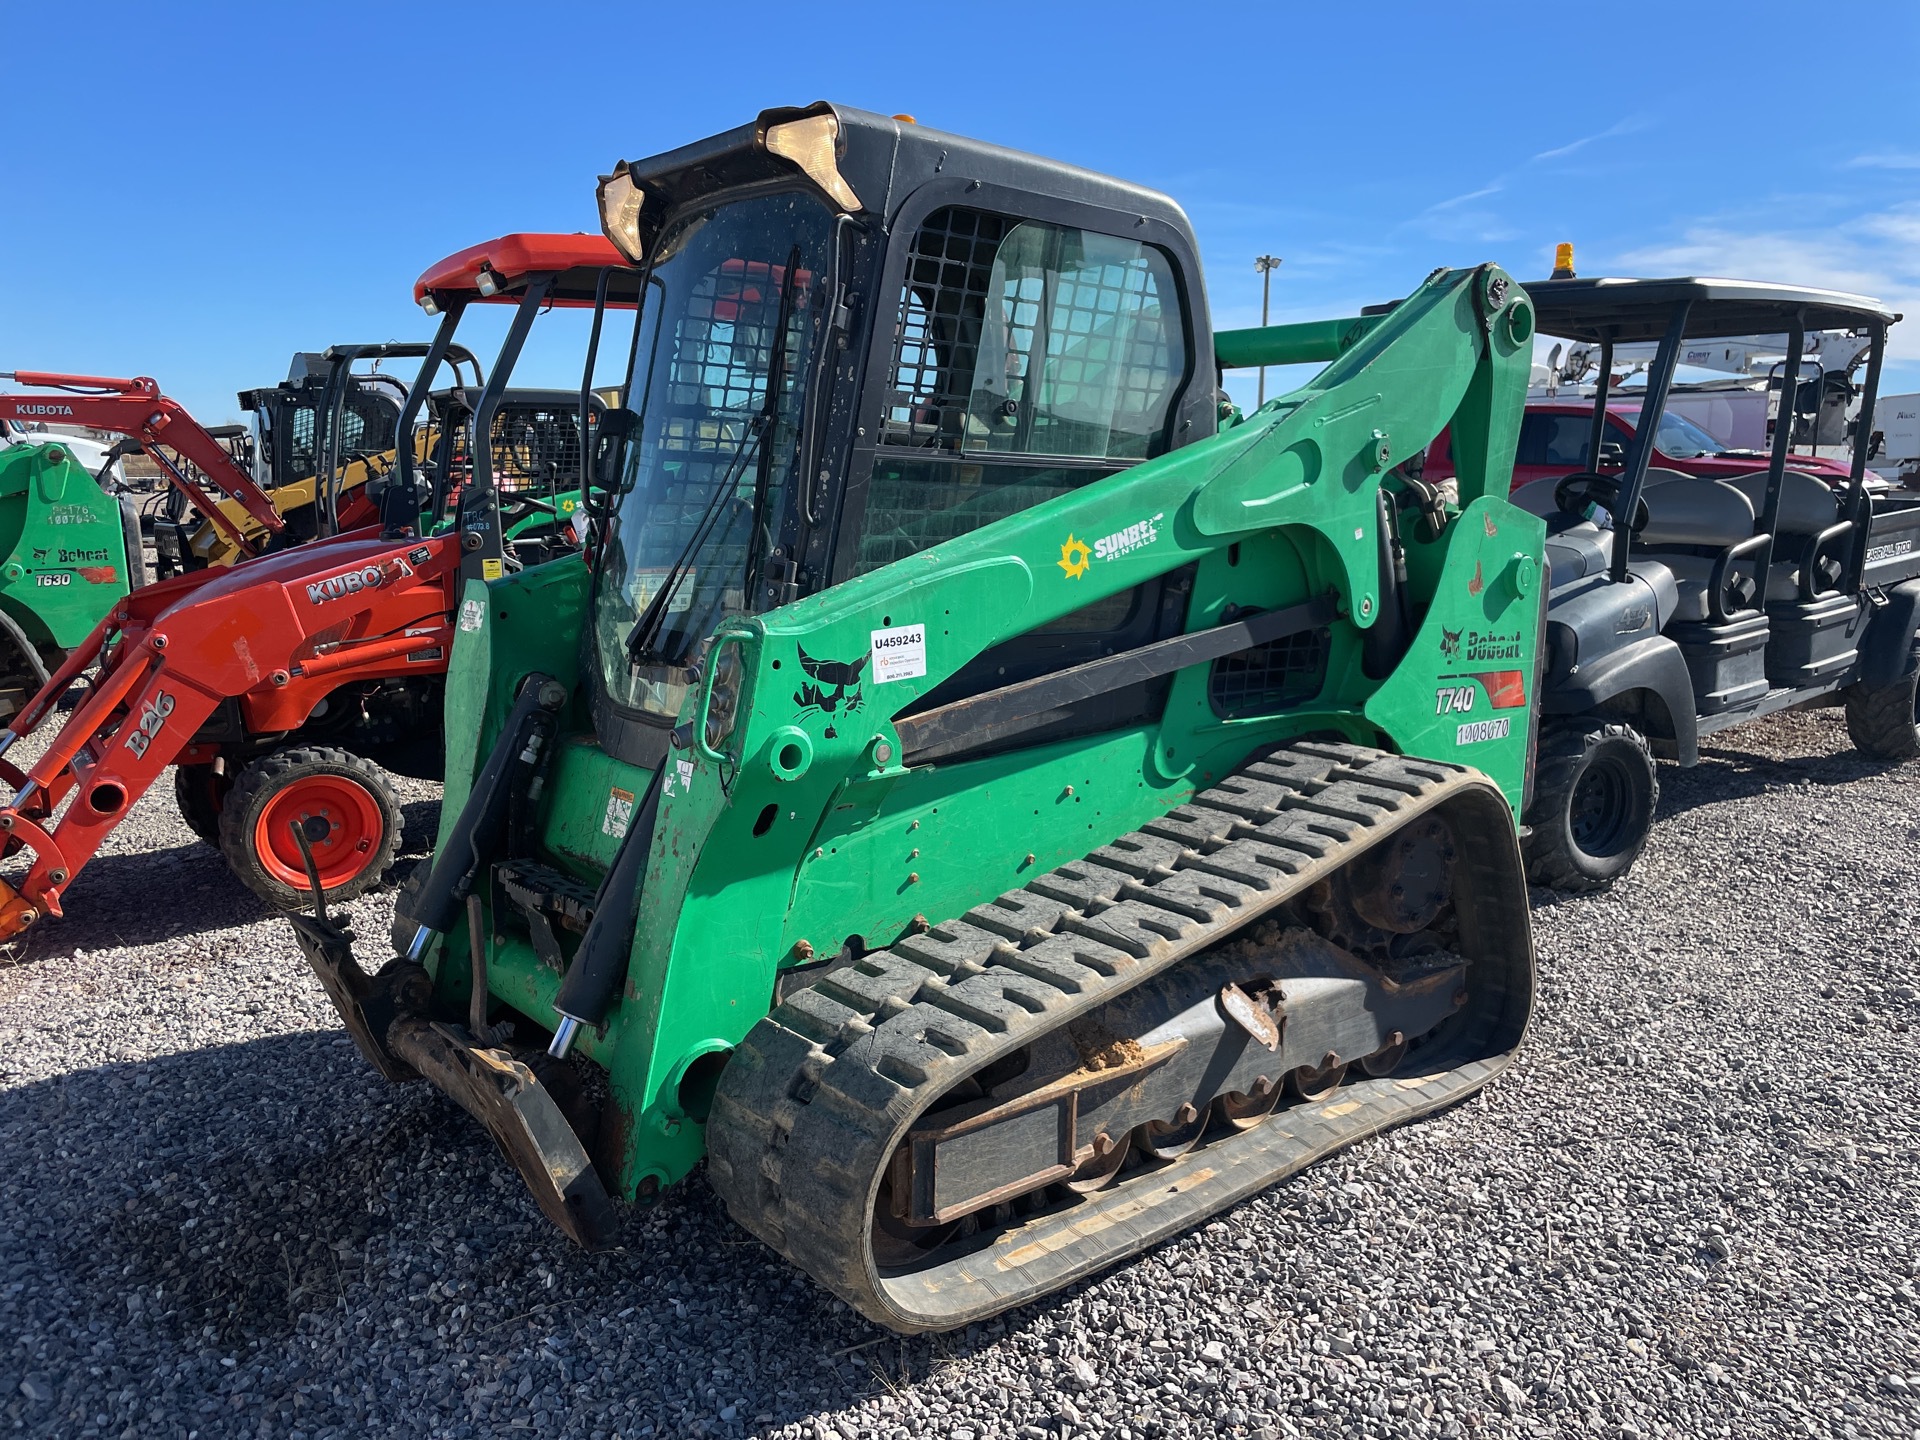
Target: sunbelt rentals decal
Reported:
[(1077, 556)]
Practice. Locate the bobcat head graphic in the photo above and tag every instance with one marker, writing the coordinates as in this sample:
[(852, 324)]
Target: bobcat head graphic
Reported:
[(835, 684), (1449, 644)]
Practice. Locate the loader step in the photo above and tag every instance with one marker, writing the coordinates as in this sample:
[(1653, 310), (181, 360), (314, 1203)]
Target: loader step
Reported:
[(835, 1136)]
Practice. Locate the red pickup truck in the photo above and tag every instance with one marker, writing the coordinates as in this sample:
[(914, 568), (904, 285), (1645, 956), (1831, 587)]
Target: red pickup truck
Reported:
[(1553, 442)]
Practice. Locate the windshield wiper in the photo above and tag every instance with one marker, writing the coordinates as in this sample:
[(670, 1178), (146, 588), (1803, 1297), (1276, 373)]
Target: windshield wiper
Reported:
[(643, 638), (760, 541)]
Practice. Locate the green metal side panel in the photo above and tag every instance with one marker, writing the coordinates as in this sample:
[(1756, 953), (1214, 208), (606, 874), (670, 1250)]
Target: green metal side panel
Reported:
[(63, 553), (505, 629)]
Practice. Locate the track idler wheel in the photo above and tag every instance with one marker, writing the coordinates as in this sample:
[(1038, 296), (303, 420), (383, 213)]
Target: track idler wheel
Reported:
[(1098, 1170), (1244, 1109), (898, 1243), (1384, 1061), (1316, 1082), (1170, 1139)]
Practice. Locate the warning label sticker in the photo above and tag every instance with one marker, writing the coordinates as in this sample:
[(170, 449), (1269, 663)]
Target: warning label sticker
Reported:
[(619, 813), (899, 653)]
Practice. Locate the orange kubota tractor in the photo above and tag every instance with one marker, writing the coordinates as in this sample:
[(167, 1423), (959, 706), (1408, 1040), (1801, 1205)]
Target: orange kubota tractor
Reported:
[(276, 684)]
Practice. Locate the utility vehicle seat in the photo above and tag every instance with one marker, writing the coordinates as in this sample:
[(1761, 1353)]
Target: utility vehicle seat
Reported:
[(1577, 551), (1807, 506), (1575, 548), (1687, 510)]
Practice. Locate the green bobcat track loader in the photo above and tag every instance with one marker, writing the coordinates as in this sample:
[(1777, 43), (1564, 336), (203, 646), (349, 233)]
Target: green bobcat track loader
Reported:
[(992, 801)]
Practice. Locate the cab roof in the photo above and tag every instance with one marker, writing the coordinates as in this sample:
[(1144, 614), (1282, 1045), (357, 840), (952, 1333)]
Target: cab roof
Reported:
[(577, 259), (1627, 311), (884, 159)]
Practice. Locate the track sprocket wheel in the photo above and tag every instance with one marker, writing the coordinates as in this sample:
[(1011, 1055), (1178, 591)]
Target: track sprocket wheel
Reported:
[(343, 804)]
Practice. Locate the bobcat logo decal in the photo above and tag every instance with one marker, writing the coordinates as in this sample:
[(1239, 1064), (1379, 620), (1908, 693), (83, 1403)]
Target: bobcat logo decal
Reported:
[(834, 686), (1449, 643)]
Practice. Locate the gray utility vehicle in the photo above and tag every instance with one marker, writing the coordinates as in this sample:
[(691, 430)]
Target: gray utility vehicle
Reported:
[(1681, 605)]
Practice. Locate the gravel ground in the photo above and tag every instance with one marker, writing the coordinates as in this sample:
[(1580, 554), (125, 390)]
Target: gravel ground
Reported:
[(1692, 1210)]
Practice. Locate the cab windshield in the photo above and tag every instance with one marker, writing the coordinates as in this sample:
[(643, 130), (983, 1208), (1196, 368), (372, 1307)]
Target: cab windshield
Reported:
[(735, 299)]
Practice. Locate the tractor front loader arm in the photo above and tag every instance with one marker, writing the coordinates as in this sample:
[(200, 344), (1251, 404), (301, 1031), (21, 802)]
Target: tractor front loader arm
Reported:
[(136, 408), (277, 635)]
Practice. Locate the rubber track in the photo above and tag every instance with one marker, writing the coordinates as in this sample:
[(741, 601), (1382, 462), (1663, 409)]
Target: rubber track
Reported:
[(818, 1096)]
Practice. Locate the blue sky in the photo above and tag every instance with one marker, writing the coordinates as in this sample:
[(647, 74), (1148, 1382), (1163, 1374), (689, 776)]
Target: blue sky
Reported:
[(198, 196)]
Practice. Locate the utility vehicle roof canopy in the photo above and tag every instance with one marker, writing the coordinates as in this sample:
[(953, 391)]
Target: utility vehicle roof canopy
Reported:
[(1628, 311)]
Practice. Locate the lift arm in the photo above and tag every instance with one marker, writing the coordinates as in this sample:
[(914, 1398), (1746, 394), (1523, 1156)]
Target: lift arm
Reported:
[(137, 409)]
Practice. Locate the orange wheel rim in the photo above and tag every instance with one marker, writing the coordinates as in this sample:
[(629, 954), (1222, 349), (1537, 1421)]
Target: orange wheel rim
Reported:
[(343, 823)]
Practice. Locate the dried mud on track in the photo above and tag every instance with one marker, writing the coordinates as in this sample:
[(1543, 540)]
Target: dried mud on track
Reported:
[(1691, 1210)]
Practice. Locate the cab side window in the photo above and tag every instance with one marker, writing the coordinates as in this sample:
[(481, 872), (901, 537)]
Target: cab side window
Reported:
[(1028, 359)]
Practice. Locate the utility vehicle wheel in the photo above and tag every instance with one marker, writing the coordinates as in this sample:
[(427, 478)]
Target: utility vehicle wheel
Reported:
[(341, 801), (1594, 791), (200, 794), (1883, 721)]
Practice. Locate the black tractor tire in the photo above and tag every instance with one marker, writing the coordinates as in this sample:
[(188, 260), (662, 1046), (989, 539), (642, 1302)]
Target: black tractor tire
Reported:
[(201, 795), (1594, 793), (1883, 721), (136, 550), (23, 668), (351, 819)]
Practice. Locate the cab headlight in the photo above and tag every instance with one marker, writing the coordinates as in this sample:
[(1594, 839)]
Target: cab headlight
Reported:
[(812, 145), (620, 201), (723, 701)]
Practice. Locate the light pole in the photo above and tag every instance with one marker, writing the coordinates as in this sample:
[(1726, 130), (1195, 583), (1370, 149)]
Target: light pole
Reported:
[(1266, 265)]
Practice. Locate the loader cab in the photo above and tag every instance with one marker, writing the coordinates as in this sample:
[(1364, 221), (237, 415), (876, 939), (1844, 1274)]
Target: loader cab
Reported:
[(1682, 604), (286, 417), (862, 338)]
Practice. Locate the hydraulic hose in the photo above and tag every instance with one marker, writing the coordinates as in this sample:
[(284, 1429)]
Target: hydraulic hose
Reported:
[(1386, 639), (601, 961), (477, 833)]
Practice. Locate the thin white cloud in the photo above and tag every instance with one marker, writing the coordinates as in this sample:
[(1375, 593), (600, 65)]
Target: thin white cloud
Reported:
[(1450, 219), (1443, 206), (1876, 253), (1619, 127), (1885, 160)]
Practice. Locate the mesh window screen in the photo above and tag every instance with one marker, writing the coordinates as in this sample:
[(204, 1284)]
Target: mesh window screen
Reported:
[(536, 449), (1271, 677), (713, 384), (937, 345), (370, 422), (1018, 346), (1031, 339), (914, 504), (300, 457)]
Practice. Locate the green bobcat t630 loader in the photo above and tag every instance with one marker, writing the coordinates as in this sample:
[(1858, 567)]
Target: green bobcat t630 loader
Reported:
[(992, 801)]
